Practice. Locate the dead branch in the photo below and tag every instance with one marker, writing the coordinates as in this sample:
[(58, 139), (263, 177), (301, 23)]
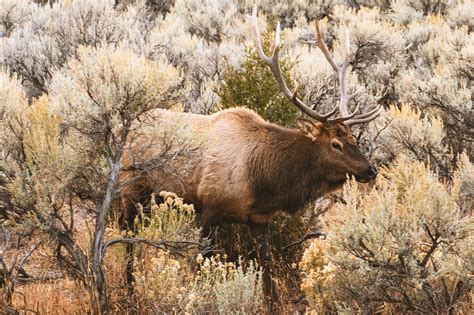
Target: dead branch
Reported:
[(306, 237), (173, 246)]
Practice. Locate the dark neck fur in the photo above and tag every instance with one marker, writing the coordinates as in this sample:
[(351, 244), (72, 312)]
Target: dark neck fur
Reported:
[(286, 171)]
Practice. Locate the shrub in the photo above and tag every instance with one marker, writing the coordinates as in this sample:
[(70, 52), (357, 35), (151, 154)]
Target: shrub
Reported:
[(40, 39), (402, 246), (167, 281), (210, 19), (418, 138), (13, 105), (255, 87), (170, 220), (98, 95), (239, 291), (78, 134), (69, 69), (12, 121)]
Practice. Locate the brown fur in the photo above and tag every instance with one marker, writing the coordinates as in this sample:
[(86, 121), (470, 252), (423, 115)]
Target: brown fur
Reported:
[(243, 169), (237, 168)]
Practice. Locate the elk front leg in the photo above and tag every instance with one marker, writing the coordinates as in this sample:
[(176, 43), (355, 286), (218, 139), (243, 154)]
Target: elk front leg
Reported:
[(132, 195), (260, 233), (208, 236), (129, 212)]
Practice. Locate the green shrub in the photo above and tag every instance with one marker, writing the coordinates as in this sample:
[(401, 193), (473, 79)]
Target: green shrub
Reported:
[(254, 86)]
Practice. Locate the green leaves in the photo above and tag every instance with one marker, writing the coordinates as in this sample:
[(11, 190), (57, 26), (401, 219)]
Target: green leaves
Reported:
[(254, 86)]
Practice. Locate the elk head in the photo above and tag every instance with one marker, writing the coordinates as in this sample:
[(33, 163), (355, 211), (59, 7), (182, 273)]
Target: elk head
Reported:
[(332, 136)]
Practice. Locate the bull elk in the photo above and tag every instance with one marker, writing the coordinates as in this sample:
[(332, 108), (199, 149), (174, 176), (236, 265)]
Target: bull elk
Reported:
[(244, 169)]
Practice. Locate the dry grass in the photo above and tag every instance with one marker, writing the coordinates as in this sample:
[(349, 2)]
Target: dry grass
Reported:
[(63, 296), (178, 290)]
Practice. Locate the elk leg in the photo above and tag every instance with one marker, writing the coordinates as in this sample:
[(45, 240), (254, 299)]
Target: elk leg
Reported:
[(129, 212), (260, 233), (131, 196), (208, 238), (129, 254)]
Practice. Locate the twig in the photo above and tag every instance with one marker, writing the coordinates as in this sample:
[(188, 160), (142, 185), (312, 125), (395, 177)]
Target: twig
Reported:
[(162, 244), (435, 242), (32, 278), (26, 257), (304, 238)]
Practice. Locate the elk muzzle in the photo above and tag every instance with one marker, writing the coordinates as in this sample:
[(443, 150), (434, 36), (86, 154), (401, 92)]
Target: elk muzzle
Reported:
[(371, 172)]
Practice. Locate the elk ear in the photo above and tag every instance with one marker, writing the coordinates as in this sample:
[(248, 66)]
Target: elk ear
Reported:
[(309, 128)]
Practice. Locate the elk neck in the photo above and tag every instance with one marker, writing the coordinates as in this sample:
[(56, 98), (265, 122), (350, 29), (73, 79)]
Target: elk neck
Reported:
[(286, 171)]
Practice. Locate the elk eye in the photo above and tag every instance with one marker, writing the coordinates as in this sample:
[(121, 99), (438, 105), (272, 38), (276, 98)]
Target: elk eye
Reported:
[(336, 146), (338, 132)]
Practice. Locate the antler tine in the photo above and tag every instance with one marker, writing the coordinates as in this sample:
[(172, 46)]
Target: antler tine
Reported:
[(273, 64), (372, 112), (345, 98), (365, 117), (341, 74), (349, 116), (322, 45), (258, 41)]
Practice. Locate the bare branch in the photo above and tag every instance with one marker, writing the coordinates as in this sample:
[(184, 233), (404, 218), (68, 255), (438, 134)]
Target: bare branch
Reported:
[(174, 246), (305, 238), (25, 258)]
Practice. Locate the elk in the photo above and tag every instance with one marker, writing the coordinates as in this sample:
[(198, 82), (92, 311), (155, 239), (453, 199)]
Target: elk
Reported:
[(244, 169)]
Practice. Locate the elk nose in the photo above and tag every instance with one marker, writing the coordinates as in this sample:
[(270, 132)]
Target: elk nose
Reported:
[(372, 172)]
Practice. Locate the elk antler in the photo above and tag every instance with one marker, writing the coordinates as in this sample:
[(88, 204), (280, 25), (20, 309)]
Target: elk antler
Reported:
[(273, 64), (348, 119)]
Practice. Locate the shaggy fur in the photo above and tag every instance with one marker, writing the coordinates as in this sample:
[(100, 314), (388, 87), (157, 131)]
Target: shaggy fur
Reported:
[(236, 167), (241, 168)]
